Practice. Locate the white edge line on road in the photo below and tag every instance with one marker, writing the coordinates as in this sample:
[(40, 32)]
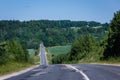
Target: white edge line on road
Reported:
[(81, 72), (17, 73)]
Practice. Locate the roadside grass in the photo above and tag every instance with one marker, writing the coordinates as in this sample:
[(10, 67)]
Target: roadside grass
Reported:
[(102, 63), (59, 49), (36, 59), (49, 58), (13, 67), (113, 61)]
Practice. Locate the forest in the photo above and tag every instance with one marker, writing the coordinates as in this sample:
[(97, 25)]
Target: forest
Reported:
[(51, 32)]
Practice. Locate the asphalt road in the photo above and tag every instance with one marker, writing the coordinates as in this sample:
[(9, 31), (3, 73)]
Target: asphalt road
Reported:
[(43, 58), (71, 72)]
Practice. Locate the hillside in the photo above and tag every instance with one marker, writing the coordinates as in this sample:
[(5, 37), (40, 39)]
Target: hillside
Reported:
[(53, 33)]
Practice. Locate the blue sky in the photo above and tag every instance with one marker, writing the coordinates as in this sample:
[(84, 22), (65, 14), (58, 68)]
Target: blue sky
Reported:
[(78, 10)]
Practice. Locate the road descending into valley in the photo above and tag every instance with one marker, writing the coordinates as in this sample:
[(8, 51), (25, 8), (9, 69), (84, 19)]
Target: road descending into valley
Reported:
[(43, 58), (69, 71)]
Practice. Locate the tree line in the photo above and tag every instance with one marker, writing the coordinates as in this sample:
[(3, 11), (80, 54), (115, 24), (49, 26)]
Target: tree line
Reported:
[(87, 48), (51, 32)]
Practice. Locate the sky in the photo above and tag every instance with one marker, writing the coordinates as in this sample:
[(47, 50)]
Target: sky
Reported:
[(75, 10)]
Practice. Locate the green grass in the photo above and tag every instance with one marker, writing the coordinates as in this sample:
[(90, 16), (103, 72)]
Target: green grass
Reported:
[(59, 49), (31, 51), (34, 58), (49, 58), (17, 66), (12, 67)]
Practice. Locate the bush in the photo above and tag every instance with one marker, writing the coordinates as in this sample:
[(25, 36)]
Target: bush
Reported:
[(82, 47), (86, 49), (13, 51)]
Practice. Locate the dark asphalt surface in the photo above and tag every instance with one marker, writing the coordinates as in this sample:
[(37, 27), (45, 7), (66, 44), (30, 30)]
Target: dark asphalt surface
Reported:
[(100, 72), (61, 72)]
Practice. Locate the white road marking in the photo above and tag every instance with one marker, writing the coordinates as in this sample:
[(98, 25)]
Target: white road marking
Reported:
[(77, 70)]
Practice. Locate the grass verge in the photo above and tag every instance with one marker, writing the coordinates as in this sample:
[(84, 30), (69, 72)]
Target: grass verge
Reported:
[(13, 67)]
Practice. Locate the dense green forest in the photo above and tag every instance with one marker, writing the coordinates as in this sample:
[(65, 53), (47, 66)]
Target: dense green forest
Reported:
[(88, 49), (52, 33)]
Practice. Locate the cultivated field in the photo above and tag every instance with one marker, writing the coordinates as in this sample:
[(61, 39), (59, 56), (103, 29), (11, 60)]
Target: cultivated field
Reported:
[(59, 49)]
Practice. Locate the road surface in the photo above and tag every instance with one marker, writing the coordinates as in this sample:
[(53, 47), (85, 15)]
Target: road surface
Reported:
[(71, 72), (43, 58)]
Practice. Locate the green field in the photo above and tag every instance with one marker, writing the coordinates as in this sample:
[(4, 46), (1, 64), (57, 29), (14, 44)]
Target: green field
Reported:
[(31, 51), (59, 49)]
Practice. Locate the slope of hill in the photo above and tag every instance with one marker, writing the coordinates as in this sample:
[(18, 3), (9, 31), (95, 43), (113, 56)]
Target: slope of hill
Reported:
[(53, 33)]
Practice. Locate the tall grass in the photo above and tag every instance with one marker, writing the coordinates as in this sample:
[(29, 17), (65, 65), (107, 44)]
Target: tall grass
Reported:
[(12, 67)]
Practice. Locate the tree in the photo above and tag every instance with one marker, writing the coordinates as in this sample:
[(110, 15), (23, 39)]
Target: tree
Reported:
[(113, 47), (3, 54), (82, 47), (17, 52)]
